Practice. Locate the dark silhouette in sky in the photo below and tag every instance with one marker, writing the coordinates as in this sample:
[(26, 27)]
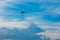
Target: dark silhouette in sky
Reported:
[(22, 12)]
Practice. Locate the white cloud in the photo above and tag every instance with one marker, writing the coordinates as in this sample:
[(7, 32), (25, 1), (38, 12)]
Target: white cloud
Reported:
[(53, 27), (43, 23), (47, 25), (33, 18), (57, 11), (2, 3), (52, 35), (13, 23)]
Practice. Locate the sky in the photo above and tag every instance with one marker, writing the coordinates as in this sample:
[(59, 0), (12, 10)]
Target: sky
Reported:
[(41, 20)]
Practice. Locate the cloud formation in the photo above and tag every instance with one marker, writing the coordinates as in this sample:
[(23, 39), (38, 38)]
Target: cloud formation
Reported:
[(43, 13)]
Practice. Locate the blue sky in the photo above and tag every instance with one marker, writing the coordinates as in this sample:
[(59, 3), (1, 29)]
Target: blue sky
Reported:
[(44, 14)]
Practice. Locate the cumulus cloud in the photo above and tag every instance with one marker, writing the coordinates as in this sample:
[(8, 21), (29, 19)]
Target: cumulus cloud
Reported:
[(50, 9), (53, 36), (52, 28)]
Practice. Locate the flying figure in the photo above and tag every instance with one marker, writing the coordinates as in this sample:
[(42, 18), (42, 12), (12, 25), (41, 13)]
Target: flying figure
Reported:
[(22, 12)]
